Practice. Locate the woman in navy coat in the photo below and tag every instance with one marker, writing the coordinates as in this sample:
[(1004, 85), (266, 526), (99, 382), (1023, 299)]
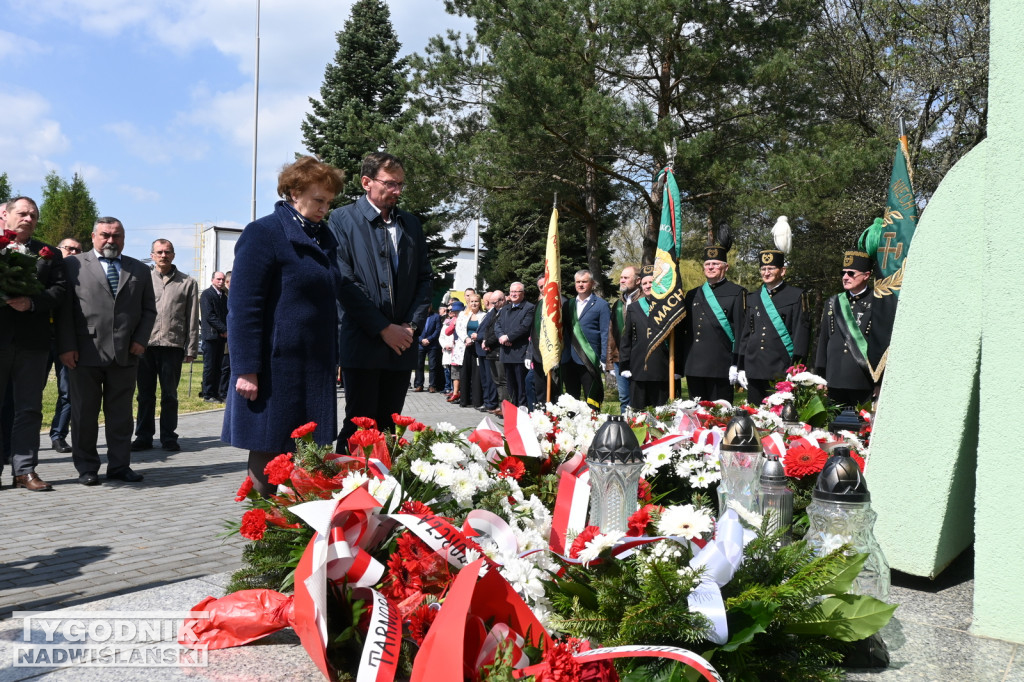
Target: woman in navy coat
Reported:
[(282, 323)]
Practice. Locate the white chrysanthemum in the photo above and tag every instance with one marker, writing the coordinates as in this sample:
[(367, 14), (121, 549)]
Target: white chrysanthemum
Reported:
[(766, 421), (684, 521), (654, 461), (565, 441), (778, 398), (525, 578), (753, 518), (445, 427), (808, 379), (600, 543), (422, 469), (463, 487), (353, 481), (700, 479), (541, 424), (381, 488), (472, 555), (684, 468), (449, 453), (444, 475), (820, 435)]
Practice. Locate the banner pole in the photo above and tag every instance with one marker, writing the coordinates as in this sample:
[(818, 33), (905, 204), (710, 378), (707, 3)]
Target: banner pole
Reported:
[(672, 365), (548, 375)]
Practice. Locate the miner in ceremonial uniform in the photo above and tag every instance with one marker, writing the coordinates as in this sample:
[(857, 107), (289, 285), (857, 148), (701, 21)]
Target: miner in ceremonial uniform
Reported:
[(776, 329), (714, 313), (646, 370), (854, 338)]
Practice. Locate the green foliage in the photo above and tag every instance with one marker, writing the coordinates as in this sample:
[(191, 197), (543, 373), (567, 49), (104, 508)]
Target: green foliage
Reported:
[(5, 188), (270, 563), (67, 210)]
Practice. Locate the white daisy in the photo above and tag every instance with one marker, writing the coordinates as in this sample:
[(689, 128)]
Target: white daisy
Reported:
[(600, 543), (684, 521)]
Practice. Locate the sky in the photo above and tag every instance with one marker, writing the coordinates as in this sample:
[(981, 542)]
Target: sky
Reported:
[(151, 101)]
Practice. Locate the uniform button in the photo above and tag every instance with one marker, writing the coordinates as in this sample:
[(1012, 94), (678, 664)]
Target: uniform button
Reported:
[(383, 285)]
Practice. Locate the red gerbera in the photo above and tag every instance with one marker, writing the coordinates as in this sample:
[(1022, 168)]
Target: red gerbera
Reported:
[(254, 524), (304, 429), (243, 490), (414, 507), (511, 467), (420, 620), (858, 459), (804, 460), (588, 534), (364, 422), (279, 469)]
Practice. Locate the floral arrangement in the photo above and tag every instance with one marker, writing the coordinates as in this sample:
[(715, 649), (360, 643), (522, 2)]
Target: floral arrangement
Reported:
[(17, 268), (429, 546)]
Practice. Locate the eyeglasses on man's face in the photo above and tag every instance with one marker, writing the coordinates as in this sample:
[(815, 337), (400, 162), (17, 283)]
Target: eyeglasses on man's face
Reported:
[(391, 185)]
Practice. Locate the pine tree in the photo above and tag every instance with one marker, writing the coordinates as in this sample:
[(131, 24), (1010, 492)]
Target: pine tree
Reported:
[(67, 209), (5, 188), (361, 96)]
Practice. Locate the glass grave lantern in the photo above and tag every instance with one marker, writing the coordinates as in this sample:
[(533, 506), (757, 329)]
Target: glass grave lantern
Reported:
[(840, 512), (741, 462), (615, 460), (776, 497)]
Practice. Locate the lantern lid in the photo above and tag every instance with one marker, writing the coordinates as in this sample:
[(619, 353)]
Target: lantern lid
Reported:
[(741, 435), (840, 479), (848, 420), (773, 472), (615, 443)]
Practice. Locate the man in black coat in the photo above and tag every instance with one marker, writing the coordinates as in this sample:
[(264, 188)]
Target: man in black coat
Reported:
[(646, 371), (429, 352), (384, 295), (776, 330), (213, 306), (714, 312), (25, 337), (853, 341), (512, 327), (493, 376)]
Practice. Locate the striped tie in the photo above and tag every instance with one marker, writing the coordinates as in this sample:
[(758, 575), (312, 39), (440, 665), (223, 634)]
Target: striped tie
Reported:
[(112, 277)]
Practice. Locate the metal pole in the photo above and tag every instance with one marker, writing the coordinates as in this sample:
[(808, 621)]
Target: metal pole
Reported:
[(255, 113)]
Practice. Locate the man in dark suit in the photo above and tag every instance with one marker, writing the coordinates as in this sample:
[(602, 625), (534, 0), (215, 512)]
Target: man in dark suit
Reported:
[(101, 334), (213, 307), (492, 354), (25, 334), (384, 294), (644, 368), (714, 313), (512, 327), (776, 331), (585, 321), (429, 351)]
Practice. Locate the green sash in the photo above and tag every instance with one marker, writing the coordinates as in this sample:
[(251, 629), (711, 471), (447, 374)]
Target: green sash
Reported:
[(716, 308), (855, 340), (619, 317), (780, 326), (645, 305), (582, 346)]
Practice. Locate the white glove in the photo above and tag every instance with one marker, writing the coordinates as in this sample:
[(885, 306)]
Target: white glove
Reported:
[(625, 374), (602, 367), (741, 377), (529, 363), (679, 376), (733, 375)]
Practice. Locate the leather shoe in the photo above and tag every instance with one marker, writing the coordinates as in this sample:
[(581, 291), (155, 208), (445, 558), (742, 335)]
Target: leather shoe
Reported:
[(138, 445), (172, 446), (496, 411), (128, 476), (418, 389), (89, 479), (31, 482), (433, 390), (61, 445)]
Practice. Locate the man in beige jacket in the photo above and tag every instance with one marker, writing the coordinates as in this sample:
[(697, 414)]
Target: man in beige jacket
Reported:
[(175, 338)]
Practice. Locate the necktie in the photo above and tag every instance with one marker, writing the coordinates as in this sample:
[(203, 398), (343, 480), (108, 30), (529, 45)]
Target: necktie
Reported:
[(112, 277)]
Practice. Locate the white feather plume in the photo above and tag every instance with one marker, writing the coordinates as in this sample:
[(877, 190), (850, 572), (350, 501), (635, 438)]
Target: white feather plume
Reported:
[(783, 235)]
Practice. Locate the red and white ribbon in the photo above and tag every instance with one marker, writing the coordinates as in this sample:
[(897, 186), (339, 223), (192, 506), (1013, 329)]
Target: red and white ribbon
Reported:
[(720, 558), (571, 503), (444, 538), (488, 438), (522, 440), (775, 444), (379, 659), (481, 522), (712, 436), (662, 445)]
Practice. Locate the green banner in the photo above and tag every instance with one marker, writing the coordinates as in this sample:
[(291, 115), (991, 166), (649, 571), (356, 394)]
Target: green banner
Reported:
[(899, 224)]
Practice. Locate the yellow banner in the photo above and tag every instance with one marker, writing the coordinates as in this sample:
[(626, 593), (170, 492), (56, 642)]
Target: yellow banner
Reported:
[(551, 301)]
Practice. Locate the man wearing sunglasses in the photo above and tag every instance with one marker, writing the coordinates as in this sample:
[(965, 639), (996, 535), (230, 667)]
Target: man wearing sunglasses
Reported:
[(776, 329), (853, 341)]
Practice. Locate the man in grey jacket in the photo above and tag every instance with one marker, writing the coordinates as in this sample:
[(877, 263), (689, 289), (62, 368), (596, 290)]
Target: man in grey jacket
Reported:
[(174, 339)]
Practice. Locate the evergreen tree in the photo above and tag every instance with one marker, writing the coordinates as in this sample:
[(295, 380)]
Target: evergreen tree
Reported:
[(67, 209), (5, 188), (361, 96)]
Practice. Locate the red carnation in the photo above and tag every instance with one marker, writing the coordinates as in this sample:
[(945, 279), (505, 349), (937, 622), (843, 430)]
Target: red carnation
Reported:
[(559, 664), (4, 241), (804, 460), (243, 490), (364, 422), (644, 493), (254, 524), (401, 420), (304, 430), (637, 524), (511, 467), (417, 426), (588, 534), (784, 386), (750, 409), (279, 469), (414, 507), (363, 439), (46, 253)]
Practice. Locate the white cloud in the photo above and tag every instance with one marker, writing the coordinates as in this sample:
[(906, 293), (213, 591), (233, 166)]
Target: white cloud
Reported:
[(90, 173), (14, 45), (28, 138), (140, 193), (157, 147)]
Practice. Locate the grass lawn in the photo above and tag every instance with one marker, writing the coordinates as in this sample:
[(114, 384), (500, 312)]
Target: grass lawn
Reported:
[(186, 402)]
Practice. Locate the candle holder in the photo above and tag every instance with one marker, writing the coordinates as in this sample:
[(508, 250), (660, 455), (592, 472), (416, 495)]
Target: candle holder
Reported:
[(615, 460), (741, 464)]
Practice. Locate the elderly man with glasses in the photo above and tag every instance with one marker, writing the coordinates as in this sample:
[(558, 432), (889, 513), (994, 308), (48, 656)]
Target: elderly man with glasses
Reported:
[(776, 329), (853, 342)]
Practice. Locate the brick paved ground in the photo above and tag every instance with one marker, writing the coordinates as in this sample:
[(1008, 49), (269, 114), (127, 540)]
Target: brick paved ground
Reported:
[(78, 544)]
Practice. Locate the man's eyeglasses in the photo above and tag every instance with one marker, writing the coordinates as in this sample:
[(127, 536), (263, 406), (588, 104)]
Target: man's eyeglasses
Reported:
[(851, 273), (71, 249), (391, 185)]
